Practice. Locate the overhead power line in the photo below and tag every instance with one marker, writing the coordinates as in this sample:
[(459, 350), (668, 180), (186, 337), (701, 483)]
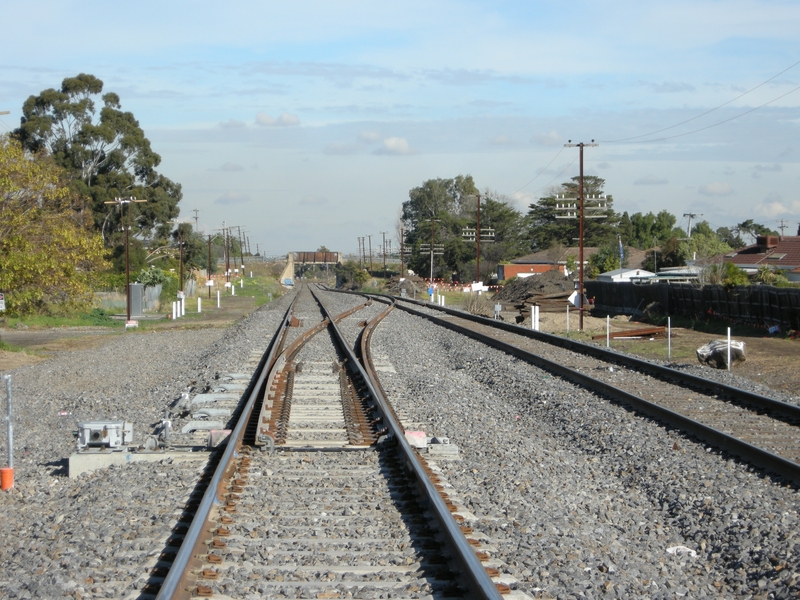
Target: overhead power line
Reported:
[(637, 137), (542, 170)]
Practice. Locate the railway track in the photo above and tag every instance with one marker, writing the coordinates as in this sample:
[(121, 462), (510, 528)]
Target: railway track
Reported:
[(760, 430), (318, 494)]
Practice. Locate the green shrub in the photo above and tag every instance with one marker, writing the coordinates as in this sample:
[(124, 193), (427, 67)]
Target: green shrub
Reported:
[(98, 316)]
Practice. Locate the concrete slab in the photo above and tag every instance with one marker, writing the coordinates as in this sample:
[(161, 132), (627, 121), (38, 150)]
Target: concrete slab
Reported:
[(84, 462), (206, 398)]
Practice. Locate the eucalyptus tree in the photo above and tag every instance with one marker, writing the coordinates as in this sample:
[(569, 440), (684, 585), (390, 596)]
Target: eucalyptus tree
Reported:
[(104, 150)]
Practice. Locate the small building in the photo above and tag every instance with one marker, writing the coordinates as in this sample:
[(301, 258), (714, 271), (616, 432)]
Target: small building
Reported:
[(555, 259), (624, 274)]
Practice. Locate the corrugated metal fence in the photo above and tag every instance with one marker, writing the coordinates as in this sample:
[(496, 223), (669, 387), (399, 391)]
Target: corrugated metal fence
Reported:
[(757, 304)]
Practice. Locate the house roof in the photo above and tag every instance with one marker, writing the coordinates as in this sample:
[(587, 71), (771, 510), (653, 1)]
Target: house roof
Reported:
[(782, 252), (559, 256), (625, 270)]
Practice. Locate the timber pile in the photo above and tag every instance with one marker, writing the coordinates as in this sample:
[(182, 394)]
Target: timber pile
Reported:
[(645, 332), (546, 302)]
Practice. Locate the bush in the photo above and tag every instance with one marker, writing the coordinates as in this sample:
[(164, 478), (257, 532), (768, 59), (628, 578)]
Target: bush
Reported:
[(99, 317)]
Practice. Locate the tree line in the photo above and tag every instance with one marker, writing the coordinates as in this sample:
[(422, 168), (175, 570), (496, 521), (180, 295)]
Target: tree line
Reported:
[(62, 230), (438, 211)]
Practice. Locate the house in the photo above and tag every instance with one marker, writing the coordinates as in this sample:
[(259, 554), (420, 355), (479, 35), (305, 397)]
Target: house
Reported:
[(555, 259), (782, 253), (624, 274)]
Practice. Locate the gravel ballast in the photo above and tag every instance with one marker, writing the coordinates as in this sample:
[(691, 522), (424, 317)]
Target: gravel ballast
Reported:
[(99, 535), (582, 497)]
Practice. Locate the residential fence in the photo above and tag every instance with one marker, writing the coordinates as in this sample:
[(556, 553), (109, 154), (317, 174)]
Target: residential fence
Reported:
[(760, 305)]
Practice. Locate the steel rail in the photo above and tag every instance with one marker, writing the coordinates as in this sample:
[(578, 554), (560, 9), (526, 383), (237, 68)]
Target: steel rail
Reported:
[(175, 583), (744, 450), (477, 579), (786, 412)]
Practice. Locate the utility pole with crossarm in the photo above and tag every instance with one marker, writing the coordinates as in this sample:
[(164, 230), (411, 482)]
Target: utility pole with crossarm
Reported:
[(581, 216)]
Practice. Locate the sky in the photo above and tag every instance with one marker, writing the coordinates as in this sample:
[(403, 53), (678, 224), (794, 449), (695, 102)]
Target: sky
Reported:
[(307, 123)]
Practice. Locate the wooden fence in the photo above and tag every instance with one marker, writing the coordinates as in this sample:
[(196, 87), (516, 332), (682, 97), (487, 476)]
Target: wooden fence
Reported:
[(757, 304)]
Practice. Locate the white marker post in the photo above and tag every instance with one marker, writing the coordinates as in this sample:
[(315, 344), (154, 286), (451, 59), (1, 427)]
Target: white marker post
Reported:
[(183, 306), (174, 312), (199, 305), (729, 349), (217, 298), (669, 339), (535, 317), (241, 282), (608, 331), (568, 319), (7, 473)]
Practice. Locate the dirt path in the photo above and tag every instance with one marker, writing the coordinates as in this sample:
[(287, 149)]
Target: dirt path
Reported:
[(38, 344)]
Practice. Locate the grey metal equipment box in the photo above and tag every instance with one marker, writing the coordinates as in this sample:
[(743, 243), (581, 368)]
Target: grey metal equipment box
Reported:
[(137, 299), (104, 434)]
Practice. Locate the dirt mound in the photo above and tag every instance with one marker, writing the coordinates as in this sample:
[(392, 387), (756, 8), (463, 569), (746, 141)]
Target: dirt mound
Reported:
[(411, 284), (519, 289)]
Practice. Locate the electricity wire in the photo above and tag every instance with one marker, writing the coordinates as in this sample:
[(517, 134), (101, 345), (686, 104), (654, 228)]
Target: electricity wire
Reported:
[(542, 170), (552, 180), (677, 135), (621, 140)]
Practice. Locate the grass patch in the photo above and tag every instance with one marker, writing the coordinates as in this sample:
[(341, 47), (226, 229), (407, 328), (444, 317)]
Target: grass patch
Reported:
[(9, 347), (95, 318)]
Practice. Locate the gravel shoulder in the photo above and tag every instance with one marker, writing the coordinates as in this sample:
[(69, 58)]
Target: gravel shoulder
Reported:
[(98, 536), (582, 497)]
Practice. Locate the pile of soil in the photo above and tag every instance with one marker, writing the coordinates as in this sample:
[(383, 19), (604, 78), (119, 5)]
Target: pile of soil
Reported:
[(410, 283), (519, 289)]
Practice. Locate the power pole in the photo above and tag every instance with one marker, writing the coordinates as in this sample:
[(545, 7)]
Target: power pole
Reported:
[(383, 234), (370, 254), (122, 202), (478, 235), (691, 216), (208, 276), (580, 146), (783, 226), (227, 254), (402, 251), (433, 248), (196, 225)]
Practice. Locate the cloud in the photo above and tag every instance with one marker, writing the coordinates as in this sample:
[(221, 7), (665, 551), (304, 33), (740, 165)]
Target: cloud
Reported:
[(231, 197), (650, 180), (547, 139), (233, 124), (603, 165), (668, 87), (396, 146), (717, 188), (769, 168), (285, 120), (341, 149), (369, 137), (229, 166), (774, 206), (311, 200), (469, 77), (501, 140), (490, 104)]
